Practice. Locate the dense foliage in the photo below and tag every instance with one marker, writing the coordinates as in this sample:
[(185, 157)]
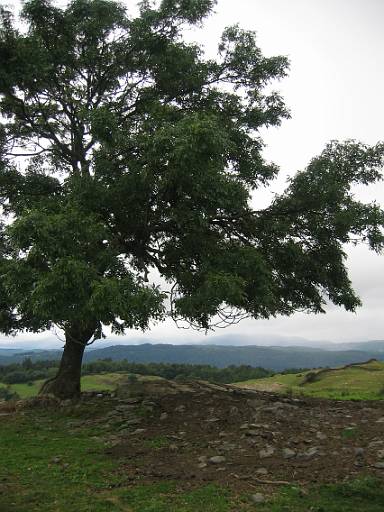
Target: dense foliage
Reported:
[(29, 371), (125, 152)]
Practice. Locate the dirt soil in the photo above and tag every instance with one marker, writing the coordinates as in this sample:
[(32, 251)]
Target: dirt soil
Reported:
[(255, 438)]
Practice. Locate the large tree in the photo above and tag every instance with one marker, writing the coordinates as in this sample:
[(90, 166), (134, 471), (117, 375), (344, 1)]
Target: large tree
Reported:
[(123, 150)]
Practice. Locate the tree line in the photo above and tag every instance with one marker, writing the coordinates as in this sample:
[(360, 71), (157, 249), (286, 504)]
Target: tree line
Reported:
[(28, 371)]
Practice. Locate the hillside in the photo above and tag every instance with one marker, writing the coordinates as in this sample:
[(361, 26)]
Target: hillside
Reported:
[(358, 381), (193, 447)]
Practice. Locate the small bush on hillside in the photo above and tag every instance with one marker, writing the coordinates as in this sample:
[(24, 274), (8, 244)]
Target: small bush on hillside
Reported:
[(8, 394)]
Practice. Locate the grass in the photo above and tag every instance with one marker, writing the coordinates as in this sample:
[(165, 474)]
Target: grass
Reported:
[(100, 382), (360, 382), (364, 495), (55, 460)]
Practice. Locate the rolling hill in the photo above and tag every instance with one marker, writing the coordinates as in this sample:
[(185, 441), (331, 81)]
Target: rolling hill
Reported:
[(362, 381)]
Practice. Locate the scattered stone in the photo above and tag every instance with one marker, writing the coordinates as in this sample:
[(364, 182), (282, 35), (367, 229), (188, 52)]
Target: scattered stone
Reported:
[(227, 447), (217, 459), (149, 403), (310, 452), (359, 452), (258, 498), (56, 460), (380, 420), (375, 443), (138, 431), (173, 447), (379, 465), (163, 416), (261, 471), (288, 453), (180, 408), (321, 436), (252, 433), (266, 452), (202, 465), (380, 454), (129, 423)]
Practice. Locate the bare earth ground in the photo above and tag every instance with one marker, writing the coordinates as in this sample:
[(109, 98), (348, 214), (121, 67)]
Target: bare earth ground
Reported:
[(197, 433), (254, 437)]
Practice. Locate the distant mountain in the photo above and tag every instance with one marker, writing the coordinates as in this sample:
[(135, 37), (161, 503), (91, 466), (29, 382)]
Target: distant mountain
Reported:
[(10, 351), (232, 340), (274, 358), (367, 346), (9, 356)]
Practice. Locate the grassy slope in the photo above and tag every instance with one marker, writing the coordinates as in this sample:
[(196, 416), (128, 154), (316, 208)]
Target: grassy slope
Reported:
[(55, 460), (365, 381), (102, 382)]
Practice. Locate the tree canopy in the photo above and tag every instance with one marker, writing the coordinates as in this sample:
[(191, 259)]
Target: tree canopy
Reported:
[(124, 150)]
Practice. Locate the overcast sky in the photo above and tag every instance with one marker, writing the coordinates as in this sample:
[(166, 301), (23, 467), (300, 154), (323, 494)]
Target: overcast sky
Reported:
[(334, 91)]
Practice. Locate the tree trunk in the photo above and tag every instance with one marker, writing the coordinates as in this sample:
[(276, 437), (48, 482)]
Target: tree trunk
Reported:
[(66, 384)]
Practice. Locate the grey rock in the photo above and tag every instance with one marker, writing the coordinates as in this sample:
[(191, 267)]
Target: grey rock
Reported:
[(261, 471), (380, 454), (252, 433), (163, 416), (359, 452), (138, 431), (258, 498), (180, 408), (268, 451), (288, 453), (375, 443), (217, 459), (379, 465), (129, 423), (380, 420), (310, 452), (227, 447)]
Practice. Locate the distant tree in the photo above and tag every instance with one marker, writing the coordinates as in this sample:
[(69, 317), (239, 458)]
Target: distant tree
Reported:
[(27, 363), (123, 150)]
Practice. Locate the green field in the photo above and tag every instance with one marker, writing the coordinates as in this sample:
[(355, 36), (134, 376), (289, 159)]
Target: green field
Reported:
[(101, 382), (363, 381), (55, 460)]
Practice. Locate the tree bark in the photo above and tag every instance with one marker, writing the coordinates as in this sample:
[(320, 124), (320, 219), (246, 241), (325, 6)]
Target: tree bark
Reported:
[(66, 384)]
